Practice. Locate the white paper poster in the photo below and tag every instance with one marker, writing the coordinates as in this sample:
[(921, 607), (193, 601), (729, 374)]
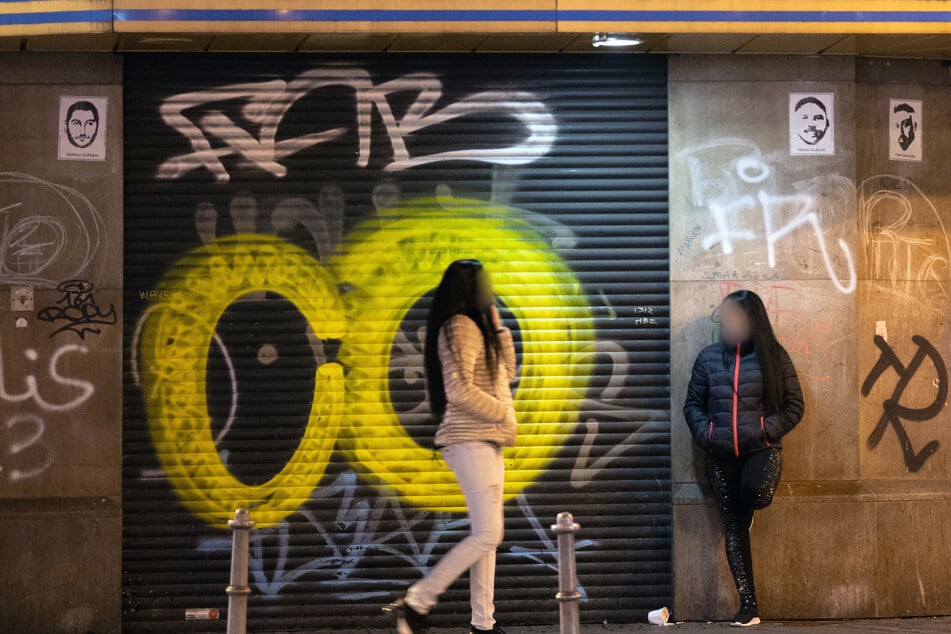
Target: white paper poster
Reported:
[(905, 129), (82, 128), (811, 123)]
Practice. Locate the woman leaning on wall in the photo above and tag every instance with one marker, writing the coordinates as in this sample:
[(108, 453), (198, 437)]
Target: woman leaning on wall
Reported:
[(743, 397)]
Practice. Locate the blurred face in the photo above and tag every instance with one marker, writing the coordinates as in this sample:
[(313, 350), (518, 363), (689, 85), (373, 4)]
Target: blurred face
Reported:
[(485, 294), (734, 323)]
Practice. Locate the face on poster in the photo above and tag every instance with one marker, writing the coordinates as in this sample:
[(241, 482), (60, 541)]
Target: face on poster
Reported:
[(905, 131), (811, 123), (82, 128)]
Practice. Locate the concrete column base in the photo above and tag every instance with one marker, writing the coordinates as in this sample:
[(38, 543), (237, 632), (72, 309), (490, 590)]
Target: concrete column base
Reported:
[(824, 549)]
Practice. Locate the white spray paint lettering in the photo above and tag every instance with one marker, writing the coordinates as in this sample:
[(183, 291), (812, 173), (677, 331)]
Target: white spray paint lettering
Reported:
[(733, 180), (24, 453), (413, 539), (32, 392), (267, 103)]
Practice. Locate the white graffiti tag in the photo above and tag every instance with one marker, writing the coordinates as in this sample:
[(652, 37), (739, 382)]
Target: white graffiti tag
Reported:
[(24, 452), (733, 181), (214, 135), (82, 389)]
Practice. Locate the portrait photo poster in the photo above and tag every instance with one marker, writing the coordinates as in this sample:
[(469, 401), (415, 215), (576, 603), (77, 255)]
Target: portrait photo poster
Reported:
[(82, 128), (811, 123), (905, 129)]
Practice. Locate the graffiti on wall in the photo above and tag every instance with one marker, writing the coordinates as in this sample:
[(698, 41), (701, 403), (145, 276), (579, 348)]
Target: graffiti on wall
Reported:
[(907, 252), (32, 388), (76, 310), (253, 134), (317, 228), (895, 413), (750, 199), (349, 415), (349, 538), (906, 257), (405, 250), (758, 210), (349, 420), (48, 233)]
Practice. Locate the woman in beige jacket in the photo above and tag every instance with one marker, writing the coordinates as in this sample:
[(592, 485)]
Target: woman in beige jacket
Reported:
[(470, 366)]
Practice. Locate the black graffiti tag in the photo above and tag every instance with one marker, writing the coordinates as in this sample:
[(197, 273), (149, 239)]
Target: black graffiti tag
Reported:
[(77, 307), (893, 412)]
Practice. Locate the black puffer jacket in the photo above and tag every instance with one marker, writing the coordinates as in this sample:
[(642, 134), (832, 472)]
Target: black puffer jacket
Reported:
[(725, 406)]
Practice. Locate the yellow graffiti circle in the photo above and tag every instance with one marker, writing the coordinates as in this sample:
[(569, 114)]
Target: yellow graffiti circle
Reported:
[(175, 342), (389, 263)]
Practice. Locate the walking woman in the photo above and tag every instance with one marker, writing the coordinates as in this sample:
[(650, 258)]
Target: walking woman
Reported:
[(470, 365), (743, 397)]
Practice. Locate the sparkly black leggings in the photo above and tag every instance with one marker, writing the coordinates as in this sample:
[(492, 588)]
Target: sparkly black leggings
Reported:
[(740, 486)]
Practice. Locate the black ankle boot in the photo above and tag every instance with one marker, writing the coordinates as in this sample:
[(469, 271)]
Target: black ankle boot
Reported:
[(747, 616), (408, 620)]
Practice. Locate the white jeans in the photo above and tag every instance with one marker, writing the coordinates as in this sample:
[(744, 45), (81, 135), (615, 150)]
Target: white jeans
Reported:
[(480, 471)]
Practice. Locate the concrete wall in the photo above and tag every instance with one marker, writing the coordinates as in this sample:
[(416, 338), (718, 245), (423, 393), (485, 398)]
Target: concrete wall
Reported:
[(60, 370), (860, 525), (858, 528)]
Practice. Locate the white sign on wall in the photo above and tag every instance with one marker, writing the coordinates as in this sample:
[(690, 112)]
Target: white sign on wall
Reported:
[(905, 129), (811, 123), (82, 128)]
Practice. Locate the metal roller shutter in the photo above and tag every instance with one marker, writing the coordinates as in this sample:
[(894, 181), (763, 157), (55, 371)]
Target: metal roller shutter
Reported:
[(286, 218)]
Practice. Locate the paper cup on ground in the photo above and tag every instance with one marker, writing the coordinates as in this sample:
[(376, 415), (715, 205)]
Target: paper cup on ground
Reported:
[(659, 616)]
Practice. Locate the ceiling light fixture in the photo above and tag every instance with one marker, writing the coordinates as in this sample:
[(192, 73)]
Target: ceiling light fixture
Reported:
[(615, 40)]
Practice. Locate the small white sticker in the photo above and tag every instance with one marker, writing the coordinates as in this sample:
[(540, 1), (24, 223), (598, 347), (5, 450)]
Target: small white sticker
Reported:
[(21, 298), (201, 614), (21, 322), (881, 330)]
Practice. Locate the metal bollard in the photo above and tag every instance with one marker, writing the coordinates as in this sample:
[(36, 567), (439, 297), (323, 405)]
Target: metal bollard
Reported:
[(568, 595), (238, 590)]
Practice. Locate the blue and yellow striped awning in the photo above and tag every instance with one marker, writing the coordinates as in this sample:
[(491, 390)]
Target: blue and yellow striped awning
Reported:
[(357, 15), (751, 16), (55, 16), (527, 16)]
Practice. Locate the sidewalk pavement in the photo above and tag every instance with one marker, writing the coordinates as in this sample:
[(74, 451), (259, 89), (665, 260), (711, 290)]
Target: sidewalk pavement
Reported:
[(922, 625)]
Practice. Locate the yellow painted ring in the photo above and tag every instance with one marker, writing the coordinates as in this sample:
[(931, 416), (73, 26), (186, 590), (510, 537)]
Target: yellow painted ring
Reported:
[(393, 261), (174, 349)]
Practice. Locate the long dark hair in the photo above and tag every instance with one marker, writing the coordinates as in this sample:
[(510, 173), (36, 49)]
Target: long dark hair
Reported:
[(769, 352), (457, 294)]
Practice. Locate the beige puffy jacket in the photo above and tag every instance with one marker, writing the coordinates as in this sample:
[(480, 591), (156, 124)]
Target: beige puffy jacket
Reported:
[(478, 407)]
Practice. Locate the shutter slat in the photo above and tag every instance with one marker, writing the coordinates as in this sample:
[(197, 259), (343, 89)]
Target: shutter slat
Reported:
[(232, 379)]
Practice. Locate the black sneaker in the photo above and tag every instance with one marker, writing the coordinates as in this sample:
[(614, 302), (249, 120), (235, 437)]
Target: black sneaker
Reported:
[(495, 630), (408, 620), (746, 617)]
